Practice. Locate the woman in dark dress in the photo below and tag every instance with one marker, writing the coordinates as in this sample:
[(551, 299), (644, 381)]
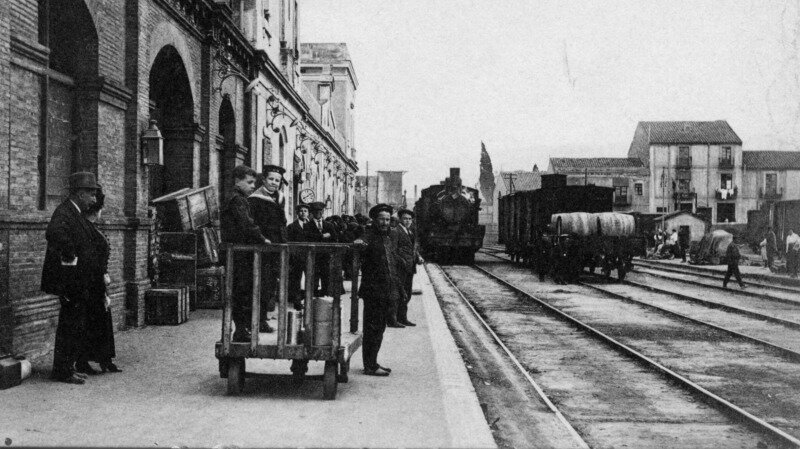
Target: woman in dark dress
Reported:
[(99, 344), (267, 205)]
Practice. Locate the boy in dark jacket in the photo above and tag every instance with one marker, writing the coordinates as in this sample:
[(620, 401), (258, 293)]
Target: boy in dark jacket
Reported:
[(237, 226)]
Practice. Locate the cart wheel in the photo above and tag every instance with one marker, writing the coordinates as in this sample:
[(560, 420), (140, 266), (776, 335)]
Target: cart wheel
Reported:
[(235, 376), (329, 380), (344, 368)]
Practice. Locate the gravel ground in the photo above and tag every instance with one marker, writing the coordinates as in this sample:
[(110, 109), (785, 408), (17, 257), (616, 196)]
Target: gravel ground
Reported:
[(745, 373), (611, 400)]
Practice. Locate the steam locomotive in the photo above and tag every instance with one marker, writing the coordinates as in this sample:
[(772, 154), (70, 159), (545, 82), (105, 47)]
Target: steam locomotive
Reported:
[(447, 221)]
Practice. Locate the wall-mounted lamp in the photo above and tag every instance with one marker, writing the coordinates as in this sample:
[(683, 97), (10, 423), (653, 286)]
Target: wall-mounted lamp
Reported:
[(152, 144), (328, 202)]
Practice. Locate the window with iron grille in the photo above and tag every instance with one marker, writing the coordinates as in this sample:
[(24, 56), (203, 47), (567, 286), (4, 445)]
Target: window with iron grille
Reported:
[(638, 188)]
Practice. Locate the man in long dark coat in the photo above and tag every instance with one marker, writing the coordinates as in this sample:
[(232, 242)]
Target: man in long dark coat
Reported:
[(319, 230), (772, 248), (295, 232), (237, 226), (379, 285), (407, 268), (67, 274)]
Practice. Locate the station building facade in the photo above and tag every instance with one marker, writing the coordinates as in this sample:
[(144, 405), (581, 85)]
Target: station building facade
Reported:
[(82, 80)]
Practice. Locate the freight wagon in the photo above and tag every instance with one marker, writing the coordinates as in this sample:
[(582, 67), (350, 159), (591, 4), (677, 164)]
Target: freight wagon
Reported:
[(562, 229)]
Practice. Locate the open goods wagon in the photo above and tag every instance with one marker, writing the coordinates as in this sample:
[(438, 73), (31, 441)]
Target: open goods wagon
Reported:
[(447, 221), (566, 228)]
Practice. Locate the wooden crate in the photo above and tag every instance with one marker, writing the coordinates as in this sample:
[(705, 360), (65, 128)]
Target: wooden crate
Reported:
[(177, 259), (167, 305), (188, 209), (210, 287)]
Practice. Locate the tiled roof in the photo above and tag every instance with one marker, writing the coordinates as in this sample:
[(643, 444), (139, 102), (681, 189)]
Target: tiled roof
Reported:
[(771, 160), (523, 180), (717, 132), (559, 164)]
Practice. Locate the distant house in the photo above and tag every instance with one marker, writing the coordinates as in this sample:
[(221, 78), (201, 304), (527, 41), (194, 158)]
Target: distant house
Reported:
[(694, 166), (628, 176), (770, 176), (691, 227)]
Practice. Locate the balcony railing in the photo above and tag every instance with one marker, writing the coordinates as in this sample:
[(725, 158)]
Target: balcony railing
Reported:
[(770, 195), (684, 162), (726, 164), (683, 195), (727, 194)]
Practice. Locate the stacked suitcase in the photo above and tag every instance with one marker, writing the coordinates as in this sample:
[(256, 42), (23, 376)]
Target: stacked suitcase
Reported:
[(167, 305)]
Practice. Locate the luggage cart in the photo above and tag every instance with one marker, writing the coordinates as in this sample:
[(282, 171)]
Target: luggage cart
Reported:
[(336, 351)]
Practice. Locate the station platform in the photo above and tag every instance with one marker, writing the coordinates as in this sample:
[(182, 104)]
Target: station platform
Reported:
[(170, 394)]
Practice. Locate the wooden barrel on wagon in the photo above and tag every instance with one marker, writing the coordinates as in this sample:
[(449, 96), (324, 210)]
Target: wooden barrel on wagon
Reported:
[(578, 223), (615, 224)]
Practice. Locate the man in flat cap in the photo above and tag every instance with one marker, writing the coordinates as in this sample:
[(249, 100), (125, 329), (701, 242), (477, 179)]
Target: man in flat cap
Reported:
[(409, 257), (295, 232), (379, 285), (67, 274), (319, 230)]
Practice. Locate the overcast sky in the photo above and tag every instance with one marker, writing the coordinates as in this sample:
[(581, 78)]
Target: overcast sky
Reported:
[(540, 79)]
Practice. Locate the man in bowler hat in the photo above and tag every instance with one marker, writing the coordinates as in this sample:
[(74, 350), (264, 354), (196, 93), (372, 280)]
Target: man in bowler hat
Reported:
[(379, 285), (67, 274)]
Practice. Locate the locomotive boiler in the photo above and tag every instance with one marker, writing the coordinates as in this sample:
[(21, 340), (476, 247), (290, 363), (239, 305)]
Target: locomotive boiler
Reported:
[(447, 221)]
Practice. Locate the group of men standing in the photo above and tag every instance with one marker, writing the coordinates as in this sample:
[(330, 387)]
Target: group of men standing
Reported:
[(255, 215)]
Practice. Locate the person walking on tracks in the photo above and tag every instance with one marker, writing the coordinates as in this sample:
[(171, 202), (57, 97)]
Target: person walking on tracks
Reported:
[(407, 268), (732, 256), (238, 227), (267, 205), (66, 273), (379, 284)]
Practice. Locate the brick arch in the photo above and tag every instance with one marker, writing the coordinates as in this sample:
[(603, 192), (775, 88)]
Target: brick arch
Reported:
[(167, 34)]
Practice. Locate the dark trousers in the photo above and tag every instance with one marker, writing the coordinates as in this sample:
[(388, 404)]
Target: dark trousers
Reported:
[(770, 260), (296, 269), (792, 262), (322, 271), (733, 269), (70, 337), (242, 291), (403, 300), (374, 319)]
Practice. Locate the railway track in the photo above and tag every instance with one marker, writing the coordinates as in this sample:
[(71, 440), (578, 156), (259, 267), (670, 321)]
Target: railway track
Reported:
[(756, 289), (612, 393), (713, 358)]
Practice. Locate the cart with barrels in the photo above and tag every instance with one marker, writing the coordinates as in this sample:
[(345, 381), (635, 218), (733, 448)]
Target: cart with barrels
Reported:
[(316, 336)]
